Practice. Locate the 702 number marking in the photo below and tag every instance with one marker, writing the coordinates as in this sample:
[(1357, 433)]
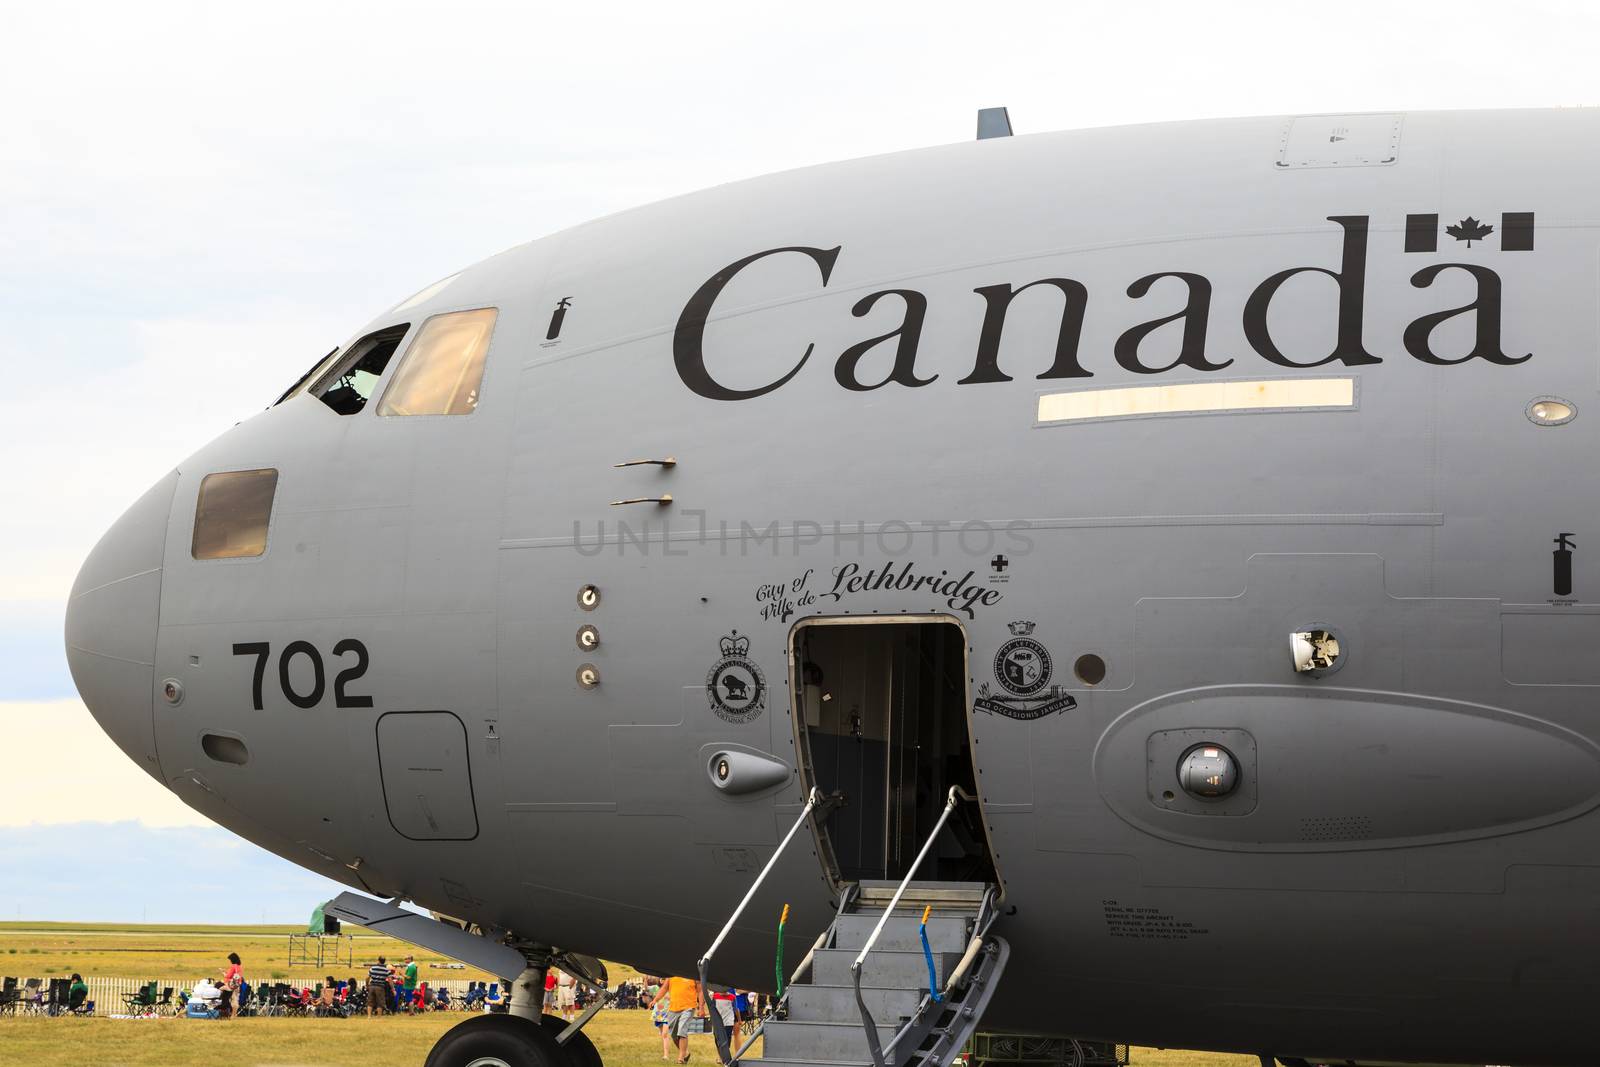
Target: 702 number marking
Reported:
[(262, 651)]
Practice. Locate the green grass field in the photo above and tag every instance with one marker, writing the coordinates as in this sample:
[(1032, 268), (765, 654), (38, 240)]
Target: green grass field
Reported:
[(108, 950), (624, 1039)]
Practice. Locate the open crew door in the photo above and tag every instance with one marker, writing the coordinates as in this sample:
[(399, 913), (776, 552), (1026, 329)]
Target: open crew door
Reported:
[(885, 721)]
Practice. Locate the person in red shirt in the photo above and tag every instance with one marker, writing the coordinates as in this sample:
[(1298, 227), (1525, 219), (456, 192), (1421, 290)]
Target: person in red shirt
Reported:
[(550, 991), (232, 979)]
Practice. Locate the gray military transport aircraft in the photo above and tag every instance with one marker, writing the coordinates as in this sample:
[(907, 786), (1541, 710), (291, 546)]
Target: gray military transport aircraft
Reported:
[(1163, 552)]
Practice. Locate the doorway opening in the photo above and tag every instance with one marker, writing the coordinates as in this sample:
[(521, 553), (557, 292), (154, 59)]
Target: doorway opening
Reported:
[(884, 720)]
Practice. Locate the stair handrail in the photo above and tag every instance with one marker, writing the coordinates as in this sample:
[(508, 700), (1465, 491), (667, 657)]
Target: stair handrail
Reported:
[(814, 800), (823, 939), (988, 912), (873, 1044)]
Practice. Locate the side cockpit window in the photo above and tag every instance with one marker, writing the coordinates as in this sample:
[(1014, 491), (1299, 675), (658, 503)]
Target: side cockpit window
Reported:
[(442, 370), (347, 384), (232, 514), (300, 382)]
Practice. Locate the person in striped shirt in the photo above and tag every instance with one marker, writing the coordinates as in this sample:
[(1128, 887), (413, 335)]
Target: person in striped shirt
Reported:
[(378, 987)]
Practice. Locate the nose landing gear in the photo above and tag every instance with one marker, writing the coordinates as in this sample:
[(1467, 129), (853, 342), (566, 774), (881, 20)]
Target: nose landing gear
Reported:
[(522, 1036), (500, 1039), (579, 1050)]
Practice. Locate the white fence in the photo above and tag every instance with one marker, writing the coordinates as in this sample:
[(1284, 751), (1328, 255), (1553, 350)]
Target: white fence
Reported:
[(110, 995)]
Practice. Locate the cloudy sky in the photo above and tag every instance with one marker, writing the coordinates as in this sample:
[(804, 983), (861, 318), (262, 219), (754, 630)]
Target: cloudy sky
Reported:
[(197, 200)]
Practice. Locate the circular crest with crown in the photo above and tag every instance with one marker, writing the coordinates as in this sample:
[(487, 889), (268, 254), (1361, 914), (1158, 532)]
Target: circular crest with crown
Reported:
[(1022, 674), (1022, 666), (735, 686)]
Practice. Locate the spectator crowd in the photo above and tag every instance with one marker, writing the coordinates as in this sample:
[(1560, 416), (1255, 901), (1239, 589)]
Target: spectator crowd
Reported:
[(676, 1008)]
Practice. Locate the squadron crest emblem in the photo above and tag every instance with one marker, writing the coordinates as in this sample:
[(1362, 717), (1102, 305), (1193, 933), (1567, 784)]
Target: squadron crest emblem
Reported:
[(1022, 668), (735, 686)]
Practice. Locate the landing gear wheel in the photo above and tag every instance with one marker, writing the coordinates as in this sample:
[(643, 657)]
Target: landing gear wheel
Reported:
[(580, 1051), (497, 1041)]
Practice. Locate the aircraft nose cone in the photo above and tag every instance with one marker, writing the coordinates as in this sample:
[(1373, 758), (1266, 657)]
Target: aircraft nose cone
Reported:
[(112, 619)]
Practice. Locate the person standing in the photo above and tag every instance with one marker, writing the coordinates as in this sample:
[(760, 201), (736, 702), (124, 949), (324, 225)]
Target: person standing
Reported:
[(411, 981), (683, 1007), (566, 995), (659, 1017), (232, 979), (378, 987), (722, 1001)]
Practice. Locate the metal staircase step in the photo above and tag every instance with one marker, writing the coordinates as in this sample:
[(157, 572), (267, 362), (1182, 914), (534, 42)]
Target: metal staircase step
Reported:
[(946, 933), (837, 1003), (884, 968), (873, 895), (766, 1061), (844, 1040)]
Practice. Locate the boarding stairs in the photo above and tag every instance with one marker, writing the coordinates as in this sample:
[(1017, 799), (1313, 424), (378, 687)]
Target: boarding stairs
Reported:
[(900, 979)]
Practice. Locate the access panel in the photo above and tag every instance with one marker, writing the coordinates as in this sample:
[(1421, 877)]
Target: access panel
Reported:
[(427, 779)]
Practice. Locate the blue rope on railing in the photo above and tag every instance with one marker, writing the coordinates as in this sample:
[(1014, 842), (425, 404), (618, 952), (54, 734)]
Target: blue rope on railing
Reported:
[(927, 954)]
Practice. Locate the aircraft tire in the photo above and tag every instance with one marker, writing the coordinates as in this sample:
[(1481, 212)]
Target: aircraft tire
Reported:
[(497, 1040), (580, 1051)]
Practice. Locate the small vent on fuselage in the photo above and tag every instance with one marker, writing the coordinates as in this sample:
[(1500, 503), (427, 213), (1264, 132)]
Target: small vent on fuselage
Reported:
[(1336, 828), (225, 749)]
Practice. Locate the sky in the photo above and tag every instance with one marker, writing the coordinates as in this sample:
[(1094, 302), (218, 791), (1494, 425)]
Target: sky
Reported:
[(198, 200)]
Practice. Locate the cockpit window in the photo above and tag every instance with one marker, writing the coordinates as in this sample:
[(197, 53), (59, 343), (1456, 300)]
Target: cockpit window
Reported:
[(300, 382), (348, 384), (231, 517), (443, 367)]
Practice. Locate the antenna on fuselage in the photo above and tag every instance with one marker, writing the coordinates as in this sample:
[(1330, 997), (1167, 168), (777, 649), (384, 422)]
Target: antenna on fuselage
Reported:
[(993, 122)]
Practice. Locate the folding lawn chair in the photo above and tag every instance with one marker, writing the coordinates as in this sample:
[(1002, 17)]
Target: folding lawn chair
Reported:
[(140, 1002), (56, 999)]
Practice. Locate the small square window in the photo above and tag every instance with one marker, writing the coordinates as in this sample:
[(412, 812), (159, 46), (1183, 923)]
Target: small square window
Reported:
[(230, 519)]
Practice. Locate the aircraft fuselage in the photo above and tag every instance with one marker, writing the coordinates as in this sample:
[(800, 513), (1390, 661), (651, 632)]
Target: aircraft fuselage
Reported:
[(1314, 383)]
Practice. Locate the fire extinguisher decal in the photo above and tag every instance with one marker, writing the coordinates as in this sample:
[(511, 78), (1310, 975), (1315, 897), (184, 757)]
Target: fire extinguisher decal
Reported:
[(1563, 564), (557, 318)]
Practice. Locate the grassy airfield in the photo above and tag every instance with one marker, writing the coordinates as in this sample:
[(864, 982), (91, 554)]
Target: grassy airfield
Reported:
[(109, 950), (624, 1039), (31, 949)]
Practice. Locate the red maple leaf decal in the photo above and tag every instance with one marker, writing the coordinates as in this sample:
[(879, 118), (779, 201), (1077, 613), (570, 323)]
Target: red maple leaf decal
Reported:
[(1469, 230)]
